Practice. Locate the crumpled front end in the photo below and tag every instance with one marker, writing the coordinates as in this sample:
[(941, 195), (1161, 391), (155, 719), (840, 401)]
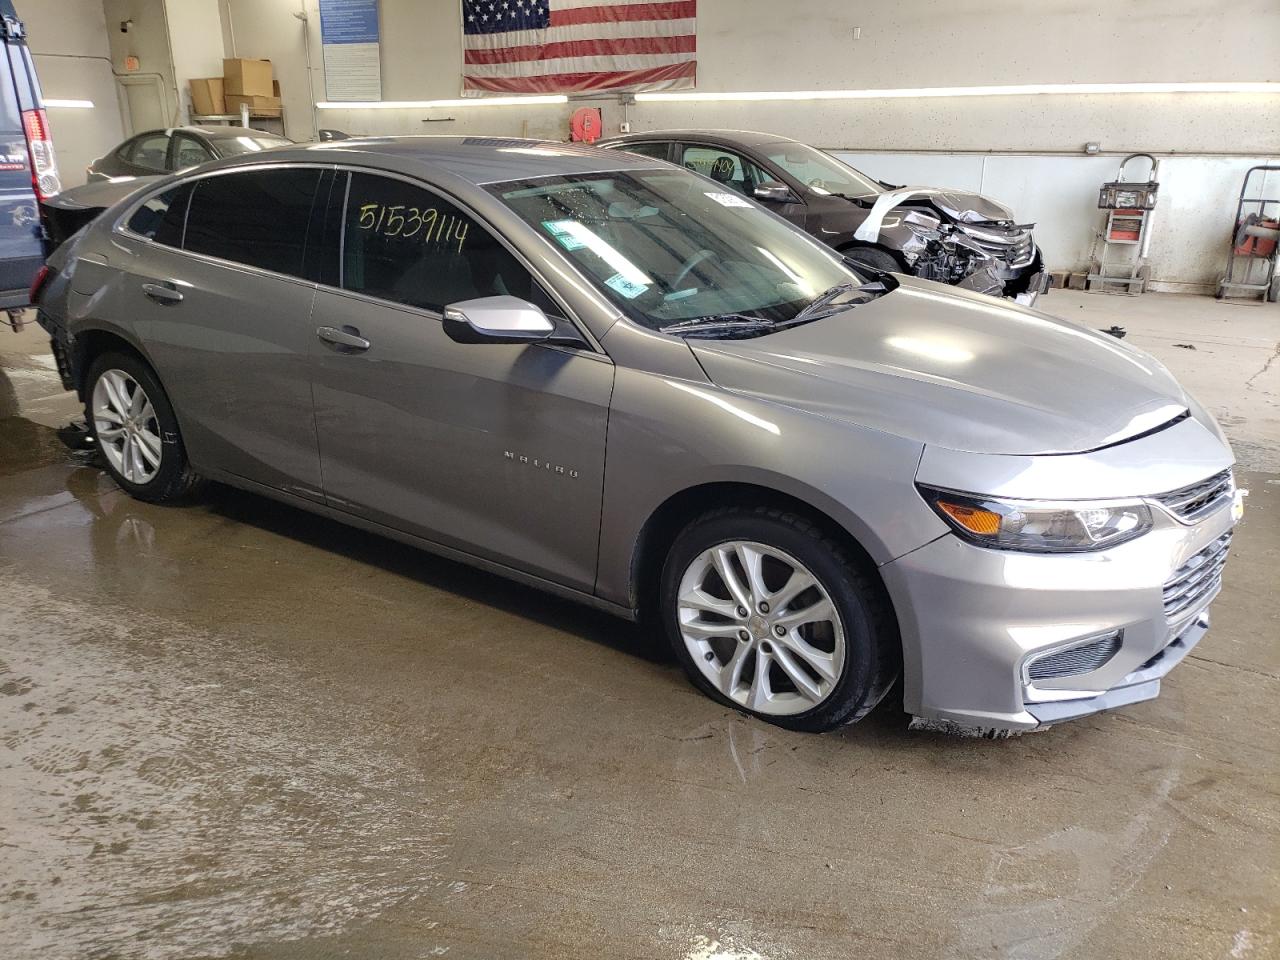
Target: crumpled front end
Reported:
[(998, 258)]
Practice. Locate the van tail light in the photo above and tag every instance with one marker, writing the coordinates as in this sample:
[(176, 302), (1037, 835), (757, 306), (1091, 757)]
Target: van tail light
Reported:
[(44, 168), (38, 284)]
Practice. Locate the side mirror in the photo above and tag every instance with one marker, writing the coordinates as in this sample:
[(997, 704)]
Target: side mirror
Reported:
[(497, 320), (773, 191)]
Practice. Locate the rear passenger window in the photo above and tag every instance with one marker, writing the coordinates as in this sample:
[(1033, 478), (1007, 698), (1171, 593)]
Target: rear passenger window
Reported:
[(160, 218), (258, 218), (658, 151), (149, 150), (406, 244)]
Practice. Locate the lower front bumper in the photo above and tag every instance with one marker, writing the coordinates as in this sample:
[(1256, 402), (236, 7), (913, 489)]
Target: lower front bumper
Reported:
[(1142, 684), (974, 621), (1037, 284)]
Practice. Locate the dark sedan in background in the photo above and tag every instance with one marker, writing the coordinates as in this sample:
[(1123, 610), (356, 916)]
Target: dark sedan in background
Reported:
[(945, 235), (165, 151)]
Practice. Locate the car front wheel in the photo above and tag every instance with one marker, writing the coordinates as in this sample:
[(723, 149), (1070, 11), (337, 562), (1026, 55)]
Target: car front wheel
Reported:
[(770, 614)]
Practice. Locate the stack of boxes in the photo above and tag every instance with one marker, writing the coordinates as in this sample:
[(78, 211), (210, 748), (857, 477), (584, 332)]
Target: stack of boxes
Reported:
[(243, 81)]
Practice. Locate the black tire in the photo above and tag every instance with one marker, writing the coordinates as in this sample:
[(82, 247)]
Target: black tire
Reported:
[(174, 481), (873, 258), (873, 650)]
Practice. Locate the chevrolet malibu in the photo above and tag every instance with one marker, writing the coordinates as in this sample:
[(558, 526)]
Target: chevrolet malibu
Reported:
[(607, 377)]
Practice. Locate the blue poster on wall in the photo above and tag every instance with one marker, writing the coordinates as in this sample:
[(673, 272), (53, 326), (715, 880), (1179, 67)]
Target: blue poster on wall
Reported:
[(349, 36)]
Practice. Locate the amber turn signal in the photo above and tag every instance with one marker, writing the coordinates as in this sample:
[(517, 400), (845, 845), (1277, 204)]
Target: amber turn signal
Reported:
[(974, 519)]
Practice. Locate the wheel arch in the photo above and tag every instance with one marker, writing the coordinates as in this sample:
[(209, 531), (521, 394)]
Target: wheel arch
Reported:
[(91, 342), (848, 245), (664, 524)]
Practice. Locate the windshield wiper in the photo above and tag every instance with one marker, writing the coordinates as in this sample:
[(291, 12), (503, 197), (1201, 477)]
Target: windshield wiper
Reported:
[(824, 305), (724, 324), (823, 300)]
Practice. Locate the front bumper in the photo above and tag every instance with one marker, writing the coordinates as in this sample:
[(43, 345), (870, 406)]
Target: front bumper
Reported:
[(975, 619)]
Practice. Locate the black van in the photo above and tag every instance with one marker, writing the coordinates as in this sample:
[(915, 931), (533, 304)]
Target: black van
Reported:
[(28, 170)]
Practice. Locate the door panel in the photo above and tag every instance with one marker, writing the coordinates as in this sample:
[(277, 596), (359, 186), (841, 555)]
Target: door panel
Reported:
[(231, 343), (495, 449), (233, 356)]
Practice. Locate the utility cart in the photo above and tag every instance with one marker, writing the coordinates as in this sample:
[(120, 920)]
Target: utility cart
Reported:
[(1122, 261), (1251, 261)]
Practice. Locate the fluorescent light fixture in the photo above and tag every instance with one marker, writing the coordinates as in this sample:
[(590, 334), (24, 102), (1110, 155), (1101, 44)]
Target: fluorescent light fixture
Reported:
[(1020, 90), (429, 104), (70, 104)]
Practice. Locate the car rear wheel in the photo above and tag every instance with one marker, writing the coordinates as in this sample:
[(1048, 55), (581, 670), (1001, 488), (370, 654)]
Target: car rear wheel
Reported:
[(135, 429), (771, 615)]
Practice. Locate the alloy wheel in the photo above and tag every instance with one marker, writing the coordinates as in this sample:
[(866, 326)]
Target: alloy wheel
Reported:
[(126, 426), (761, 628)]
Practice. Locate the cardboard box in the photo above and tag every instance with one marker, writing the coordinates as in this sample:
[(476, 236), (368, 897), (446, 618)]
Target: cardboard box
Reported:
[(208, 96), (247, 78), (258, 106)]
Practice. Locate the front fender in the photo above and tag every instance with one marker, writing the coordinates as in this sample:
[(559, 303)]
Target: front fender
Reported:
[(667, 435)]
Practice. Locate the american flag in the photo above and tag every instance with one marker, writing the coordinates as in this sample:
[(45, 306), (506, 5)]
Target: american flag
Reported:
[(573, 46)]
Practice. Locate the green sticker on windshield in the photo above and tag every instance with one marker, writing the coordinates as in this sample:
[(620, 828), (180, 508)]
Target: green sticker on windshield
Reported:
[(627, 288), (563, 230)]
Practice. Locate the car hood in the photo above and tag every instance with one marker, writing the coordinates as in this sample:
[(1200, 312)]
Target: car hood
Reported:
[(99, 194), (969, 207), (955, 369)]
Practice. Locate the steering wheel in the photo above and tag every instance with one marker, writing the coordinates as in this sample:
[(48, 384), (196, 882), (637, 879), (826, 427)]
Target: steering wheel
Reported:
[(818, 183), (693, 261)]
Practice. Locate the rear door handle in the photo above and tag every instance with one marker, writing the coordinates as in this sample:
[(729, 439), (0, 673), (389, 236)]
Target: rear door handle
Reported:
[(347, 337), (162, 292)]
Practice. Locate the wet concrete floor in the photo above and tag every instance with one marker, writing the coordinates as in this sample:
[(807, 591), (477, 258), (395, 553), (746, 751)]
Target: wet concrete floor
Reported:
[(237, 730)]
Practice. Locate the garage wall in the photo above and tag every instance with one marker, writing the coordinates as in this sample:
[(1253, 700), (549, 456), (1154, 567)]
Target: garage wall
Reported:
[(68, 41)]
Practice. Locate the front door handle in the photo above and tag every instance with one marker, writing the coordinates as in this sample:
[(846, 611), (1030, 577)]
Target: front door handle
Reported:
[(346, 337), (164, 293)]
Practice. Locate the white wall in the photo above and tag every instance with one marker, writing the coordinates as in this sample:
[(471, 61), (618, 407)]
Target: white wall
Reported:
[(68, 41), (148, 40), (195, 44)]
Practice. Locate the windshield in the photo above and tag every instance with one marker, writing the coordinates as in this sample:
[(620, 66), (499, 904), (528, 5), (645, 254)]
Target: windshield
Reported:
[(234, 146), (668, 246), (822, 172)]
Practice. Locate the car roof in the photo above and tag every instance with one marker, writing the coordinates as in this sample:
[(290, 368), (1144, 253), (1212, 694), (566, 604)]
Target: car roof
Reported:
[(477, 160), (741, 138), (229, 133)]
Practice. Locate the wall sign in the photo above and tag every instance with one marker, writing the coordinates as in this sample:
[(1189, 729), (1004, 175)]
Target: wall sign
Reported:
[(349, 36)]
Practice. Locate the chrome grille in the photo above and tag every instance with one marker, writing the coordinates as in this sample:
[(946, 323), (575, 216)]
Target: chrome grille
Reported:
[(1199, 499), (1196, 580), (1082, 659), (1014, 245)]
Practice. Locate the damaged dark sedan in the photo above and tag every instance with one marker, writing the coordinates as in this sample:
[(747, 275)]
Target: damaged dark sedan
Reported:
[(950, 236)]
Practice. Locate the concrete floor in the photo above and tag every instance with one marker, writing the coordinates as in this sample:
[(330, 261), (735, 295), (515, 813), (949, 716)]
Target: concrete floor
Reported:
[(238, 730)]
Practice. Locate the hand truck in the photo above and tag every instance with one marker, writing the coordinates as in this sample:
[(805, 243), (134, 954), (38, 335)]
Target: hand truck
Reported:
[(1254, 242), (1127, 235)]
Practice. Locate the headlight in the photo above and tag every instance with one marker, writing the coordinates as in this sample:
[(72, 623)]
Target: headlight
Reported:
[(1038, 526), (921, 224)]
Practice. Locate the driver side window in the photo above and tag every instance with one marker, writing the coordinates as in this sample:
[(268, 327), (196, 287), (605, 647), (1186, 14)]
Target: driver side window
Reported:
[(724, 166)]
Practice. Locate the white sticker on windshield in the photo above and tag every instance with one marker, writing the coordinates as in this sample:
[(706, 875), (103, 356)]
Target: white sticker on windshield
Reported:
[(729, 200), (626, 287), (561, 230)]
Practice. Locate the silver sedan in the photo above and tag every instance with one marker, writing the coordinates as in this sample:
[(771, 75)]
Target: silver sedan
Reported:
[(615, 380)]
